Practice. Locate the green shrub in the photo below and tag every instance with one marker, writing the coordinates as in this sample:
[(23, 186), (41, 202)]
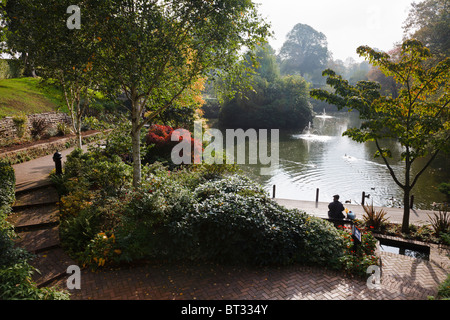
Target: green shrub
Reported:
[(10, 69), (444, 289), (374, 218), (63, 129), (38, 127), (7, 184), (237, 184), (151, 217), (15, 270), (95, 171), (445, 238), (77, 230), (440, 222), (20, 122), (181, 214), (444, 188), (357, 259), (247, 227), (16, 273)]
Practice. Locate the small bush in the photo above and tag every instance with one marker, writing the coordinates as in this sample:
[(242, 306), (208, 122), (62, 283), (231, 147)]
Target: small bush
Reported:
[(7, 184), (16, 273), (95, 171), (440, 222), (357, 259), (20, 122), (445, 238), (159, 141), (63, 129), (444, 289), (38, 127), (374, 218), (80, 233), (10, 69)]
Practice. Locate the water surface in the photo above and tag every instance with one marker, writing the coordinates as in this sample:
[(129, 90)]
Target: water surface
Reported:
[(320, 157)]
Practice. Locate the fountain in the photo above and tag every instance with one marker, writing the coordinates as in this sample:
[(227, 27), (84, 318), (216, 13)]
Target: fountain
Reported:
[(309, 133), (324, 115)]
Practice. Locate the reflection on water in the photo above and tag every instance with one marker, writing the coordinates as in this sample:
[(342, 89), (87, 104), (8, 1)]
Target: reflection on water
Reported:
[(320, 157)]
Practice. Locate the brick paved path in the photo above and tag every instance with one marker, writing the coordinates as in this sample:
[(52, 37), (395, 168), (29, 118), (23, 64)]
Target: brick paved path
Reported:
[(403, 278)]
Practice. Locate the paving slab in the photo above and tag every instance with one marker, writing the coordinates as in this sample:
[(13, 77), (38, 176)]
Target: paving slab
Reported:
[(52, 265), (36, 197), (34, 216), (38, 240)]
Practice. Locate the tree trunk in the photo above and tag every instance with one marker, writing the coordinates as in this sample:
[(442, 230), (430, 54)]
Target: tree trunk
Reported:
[(406, 192), (78, 132), (136, 144), (406, 210)]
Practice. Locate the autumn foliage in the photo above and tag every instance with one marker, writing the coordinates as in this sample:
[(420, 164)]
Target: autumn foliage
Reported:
[(159, 137)]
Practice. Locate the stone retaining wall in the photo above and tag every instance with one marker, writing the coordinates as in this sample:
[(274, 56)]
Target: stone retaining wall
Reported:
[(43, 149), (9, 130)]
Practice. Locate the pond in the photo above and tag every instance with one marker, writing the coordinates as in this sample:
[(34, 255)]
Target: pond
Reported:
[(320, 157)]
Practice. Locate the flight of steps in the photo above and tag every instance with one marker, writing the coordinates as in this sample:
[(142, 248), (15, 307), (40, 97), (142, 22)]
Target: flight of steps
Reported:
[(35, 218)]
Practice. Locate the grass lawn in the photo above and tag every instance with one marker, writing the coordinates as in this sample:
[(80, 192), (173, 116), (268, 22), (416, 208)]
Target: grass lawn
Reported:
[(28, 95)]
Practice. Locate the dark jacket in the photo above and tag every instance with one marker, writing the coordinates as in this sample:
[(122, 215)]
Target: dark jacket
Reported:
[(335, 210)]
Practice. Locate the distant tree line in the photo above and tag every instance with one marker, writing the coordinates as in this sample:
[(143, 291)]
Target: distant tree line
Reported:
[(274, 101), (279, 97)]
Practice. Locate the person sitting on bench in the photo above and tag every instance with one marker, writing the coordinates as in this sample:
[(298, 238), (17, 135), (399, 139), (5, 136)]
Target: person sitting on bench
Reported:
[(336, 208)]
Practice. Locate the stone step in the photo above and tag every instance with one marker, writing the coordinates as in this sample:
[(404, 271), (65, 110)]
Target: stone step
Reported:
[(32, 217), (36, 241), (52, 265), (36, 197), (28, 186)]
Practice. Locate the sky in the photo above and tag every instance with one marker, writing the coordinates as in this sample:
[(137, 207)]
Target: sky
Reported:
[(347, 24)]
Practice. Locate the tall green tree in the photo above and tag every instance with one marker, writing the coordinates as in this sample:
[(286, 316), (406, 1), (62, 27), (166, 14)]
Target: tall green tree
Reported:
[(267, 66), (13, 40), (153, 51), (273, 101), (418, 118), (304, 51), (38, 29), (429, 22)]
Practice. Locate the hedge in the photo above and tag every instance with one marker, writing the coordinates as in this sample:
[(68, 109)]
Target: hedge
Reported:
[(7, 184), (10, 69)]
